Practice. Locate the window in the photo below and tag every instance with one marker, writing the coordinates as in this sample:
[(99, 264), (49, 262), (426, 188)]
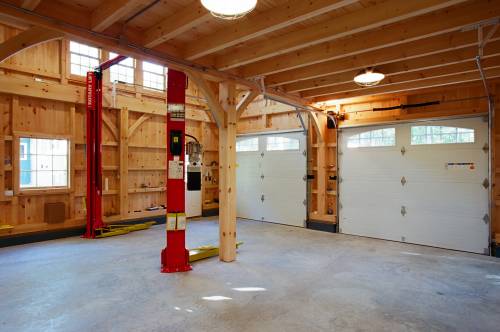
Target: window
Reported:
[(83, 58), (248, 145), (122, 72), (373, 138), (441, 135), (43, 163), (153, 76), (276, 143)]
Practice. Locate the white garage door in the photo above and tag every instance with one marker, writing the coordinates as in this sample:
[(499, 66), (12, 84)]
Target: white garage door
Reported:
[(270, 178), (419, 183)]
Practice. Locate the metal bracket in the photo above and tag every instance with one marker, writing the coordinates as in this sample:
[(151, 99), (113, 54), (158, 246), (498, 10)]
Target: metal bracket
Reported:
[(304, 178), (486, 218), (262, 198), (262, 154), (486, 183), (403, 210), (304, 153), (403, 151), (486, 148), (262, 176), (304, 202), (403, 181)]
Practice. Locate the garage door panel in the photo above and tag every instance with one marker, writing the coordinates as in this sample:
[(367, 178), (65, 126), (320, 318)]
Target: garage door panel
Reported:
[(270, 183), (444, 203)]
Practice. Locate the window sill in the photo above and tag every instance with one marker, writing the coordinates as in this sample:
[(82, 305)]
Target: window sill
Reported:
[(38, 192)]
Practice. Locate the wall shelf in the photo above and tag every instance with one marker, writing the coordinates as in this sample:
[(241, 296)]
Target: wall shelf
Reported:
[(153, 147), (146, 190), (138, 169)]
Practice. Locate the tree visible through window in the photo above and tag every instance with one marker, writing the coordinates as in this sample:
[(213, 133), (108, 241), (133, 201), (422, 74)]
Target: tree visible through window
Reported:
[(43, 163), (373, 138), (441, 135), (83, 58)]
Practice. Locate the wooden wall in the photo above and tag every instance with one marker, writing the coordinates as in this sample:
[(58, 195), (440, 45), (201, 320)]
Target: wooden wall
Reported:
[(39, 98)]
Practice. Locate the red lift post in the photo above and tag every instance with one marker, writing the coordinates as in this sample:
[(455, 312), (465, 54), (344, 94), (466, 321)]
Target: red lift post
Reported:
[(94, 151), (175, 257)]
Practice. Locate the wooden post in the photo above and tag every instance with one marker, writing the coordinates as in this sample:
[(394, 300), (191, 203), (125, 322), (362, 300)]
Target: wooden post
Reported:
[(2, 157), (227, 176), (124, 162)]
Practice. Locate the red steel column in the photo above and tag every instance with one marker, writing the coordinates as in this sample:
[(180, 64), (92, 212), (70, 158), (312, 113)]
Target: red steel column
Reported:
[(175, 257)]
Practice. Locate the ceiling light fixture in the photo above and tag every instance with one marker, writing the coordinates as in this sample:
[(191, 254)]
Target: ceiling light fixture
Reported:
[(368, 77), (229, 9)]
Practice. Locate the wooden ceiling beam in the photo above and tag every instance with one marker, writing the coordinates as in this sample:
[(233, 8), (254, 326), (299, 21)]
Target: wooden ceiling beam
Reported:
[(253, 26), (416, 28), (414, 49), (176, 24), (361, 20), (112, 11), (30, 4), (447, 70), (410, 86), (398, 67)]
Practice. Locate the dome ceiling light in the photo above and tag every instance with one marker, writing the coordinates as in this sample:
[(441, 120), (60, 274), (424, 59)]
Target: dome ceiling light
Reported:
[(229, 9), (368, 77)]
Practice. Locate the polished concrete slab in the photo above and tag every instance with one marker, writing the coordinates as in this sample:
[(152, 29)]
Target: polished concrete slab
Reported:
[(285, 279)]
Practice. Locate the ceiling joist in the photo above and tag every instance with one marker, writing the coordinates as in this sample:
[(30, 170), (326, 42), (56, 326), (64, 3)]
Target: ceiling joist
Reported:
[(112, 11), (417, 28), (368, 18), (276, 18)]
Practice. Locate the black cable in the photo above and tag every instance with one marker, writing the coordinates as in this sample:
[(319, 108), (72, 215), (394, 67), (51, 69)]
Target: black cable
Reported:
[(193, 138)]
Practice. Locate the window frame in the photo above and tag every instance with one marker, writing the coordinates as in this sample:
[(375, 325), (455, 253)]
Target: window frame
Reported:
[(371, 138), (70, 52), (295, 140), (248, 139), (164, 76), (429, 127), (121, 65), (20, 190)]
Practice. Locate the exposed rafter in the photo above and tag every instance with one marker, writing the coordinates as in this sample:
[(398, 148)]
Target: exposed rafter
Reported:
[(399, 67), (369, 18), (30, 4), (432, 45), (452, 69), (174, 25), (112, 11), (413, 29), (289, 13), (415, 85)]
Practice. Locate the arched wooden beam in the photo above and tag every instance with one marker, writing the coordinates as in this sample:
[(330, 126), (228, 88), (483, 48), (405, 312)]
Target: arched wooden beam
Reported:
[(27, 39)]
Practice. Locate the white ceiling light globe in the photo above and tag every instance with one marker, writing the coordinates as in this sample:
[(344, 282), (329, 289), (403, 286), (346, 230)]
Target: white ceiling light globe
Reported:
[(229, 9), (369, 77)]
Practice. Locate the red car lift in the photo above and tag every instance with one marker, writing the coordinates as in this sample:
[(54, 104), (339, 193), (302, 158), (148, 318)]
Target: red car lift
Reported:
[(175, 257), (94, 153)]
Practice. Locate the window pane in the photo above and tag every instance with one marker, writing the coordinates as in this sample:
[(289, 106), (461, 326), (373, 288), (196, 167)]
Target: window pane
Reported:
[(43, 162), (373, 138), (248, 145), (83, 58), (441, 135), (153, 68), (274, 143)]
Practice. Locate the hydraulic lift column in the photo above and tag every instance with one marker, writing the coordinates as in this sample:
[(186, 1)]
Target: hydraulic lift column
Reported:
[(175, 257), (94, 152)]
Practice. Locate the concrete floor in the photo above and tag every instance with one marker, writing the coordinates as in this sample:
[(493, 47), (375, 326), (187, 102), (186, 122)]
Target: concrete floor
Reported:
[(285, 279)]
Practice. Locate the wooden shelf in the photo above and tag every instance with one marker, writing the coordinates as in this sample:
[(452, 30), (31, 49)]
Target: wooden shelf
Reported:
[(7, 168), (212, 167), (110, 193), (210, 206), (139, 146), (138, 169), (103, 144), (211, 186), (7, 138), (146, 190), (329, 218), (104, 168), (210, 150), (331, 145), (331, 193)]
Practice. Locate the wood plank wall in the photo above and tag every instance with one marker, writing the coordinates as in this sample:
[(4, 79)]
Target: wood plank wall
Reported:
[(39, 98)]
